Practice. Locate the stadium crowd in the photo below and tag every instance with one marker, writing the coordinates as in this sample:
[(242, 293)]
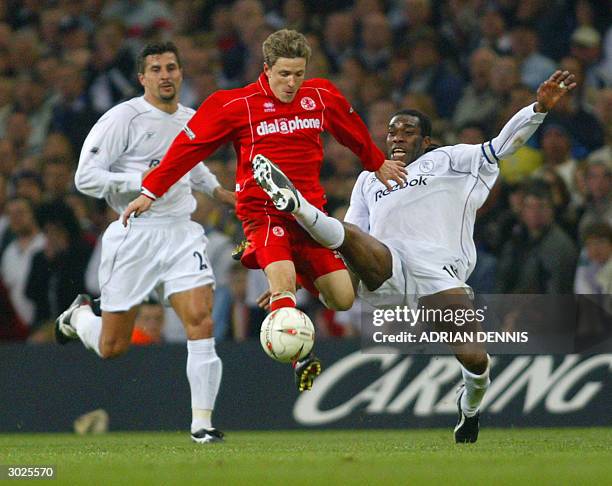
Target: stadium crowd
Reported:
[(469, 64)]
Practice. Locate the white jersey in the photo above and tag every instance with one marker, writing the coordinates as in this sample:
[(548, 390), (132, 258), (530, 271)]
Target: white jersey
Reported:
[(125, 142), (436, 207)]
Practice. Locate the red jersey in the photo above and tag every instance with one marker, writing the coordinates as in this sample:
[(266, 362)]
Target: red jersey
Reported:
[(257, 122)]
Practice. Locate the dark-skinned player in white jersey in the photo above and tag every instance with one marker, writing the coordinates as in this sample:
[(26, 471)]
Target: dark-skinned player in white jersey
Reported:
[(413, 244)]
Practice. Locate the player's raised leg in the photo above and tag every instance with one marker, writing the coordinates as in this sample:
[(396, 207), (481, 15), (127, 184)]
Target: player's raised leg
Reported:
[(281, 279), (204, 367), (107, 335), (369, 259), (282, 283)]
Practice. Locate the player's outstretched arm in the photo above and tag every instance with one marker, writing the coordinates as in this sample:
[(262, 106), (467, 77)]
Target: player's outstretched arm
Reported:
[(138, 206), (526, 121), (553, 89)]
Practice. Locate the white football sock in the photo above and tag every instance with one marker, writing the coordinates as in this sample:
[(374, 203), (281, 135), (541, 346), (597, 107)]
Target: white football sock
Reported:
[(88, 326), (204, 371), (475, 389), (327, 231)]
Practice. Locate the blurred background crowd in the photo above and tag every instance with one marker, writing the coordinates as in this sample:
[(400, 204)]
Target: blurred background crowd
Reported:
[(469, 64)]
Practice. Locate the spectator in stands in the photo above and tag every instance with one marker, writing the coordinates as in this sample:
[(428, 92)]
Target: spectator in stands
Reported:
[(58, 177), (557, 151), (232, 53), (149, 324), (603, 111), (534, 66), (249, 23), (493, 31), (478, 103), (378, 117), (6, 101), (17, 258), (410, 16), (505, 75), (294, 16), (28, 184), (594, 272), (73, 115), (585, 96), (585, 129), (8, 158), (18, 131), (430, 74), (12, 327), (74, 35), (32, 99), (541, 257), (57, 146), (141, 17), (586, 47), (472, 133), (594, 282), (459, 31), (112, 69), (58, 270), (339, 38), (24, 50), (375, 50), (548, 19), (598, 207)]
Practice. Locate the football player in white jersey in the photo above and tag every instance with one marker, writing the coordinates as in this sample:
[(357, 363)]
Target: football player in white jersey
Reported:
[(414, 244), (162, 250)]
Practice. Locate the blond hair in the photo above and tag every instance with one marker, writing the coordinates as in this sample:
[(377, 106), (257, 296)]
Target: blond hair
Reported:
[(285, 43)]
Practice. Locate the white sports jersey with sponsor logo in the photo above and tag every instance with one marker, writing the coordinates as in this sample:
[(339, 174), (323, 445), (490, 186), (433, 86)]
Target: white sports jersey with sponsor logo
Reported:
[(125, 142), (436, 207)]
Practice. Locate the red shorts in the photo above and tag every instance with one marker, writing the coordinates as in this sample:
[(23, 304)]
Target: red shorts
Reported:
[(275, 238)]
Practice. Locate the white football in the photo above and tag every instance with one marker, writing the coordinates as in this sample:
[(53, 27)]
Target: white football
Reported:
[(287, 334)]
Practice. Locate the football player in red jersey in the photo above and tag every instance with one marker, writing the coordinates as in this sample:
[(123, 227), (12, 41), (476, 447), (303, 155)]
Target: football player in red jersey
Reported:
[(280, 116)]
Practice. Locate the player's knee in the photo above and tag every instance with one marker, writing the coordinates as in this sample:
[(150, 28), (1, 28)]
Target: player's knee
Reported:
[(112, 348), (376, 277), (475, 361), (199, 325), (341, 301)]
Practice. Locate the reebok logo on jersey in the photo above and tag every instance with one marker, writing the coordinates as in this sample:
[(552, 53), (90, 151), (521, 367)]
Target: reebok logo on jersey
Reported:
[(285, 126), (418, 181)]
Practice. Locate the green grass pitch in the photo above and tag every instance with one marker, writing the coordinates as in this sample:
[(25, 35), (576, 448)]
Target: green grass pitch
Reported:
[(511, 456)]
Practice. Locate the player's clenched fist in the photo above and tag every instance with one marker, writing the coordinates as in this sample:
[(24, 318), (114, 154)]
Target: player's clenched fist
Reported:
[(138, 206)]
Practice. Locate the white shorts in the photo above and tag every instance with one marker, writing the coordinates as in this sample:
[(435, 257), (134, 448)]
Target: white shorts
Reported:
[(162, 254), (417, 272), (393, 291)]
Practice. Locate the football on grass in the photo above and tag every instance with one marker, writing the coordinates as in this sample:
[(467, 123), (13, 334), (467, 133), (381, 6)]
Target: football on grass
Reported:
[(287, 334)]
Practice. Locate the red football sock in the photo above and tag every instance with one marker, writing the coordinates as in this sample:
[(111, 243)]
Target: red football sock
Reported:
[(282, 299)]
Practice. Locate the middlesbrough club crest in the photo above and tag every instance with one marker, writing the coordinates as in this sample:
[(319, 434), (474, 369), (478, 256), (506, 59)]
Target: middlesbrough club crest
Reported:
[(278, 231), (308, 103)]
